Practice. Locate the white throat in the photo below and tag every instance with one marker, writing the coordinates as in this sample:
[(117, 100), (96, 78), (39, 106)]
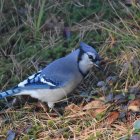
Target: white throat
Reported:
[(85, 64)]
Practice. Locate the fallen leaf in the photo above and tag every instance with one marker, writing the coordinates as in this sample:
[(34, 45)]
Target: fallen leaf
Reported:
[(97, 111), (10, 135), (95, 107), (94, 104), (88, 110), (112, 117), (76, 115), (72, 108), (134, 105)]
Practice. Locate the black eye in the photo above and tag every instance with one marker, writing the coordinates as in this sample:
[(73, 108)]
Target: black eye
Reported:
[(90, 56)]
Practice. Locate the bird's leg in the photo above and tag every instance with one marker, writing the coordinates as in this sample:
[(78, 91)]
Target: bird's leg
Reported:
[(51, 106), (9, 105), (43, 106), (45, 110)]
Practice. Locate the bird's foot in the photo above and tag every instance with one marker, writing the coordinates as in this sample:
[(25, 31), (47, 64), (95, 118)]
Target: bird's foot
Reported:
[(56, 111)]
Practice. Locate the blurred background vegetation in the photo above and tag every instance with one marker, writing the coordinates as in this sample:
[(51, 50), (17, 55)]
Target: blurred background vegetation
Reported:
[(32, 34)]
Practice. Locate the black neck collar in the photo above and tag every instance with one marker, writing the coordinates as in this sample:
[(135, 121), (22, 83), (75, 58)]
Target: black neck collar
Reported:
[(81, 52)]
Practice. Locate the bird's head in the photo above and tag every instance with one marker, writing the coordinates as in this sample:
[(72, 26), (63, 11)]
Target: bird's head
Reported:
[(87, 58)]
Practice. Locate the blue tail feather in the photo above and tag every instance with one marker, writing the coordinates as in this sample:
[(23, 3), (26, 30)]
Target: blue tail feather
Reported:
[(10, 92)]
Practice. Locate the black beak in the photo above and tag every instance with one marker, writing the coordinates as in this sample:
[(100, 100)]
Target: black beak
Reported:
[(97, 64), (99, 67)]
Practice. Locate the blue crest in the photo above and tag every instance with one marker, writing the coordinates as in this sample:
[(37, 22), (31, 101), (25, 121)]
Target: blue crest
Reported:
[(86, 48)]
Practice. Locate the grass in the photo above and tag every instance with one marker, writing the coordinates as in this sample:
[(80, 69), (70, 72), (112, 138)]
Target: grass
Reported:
[(31, 36)]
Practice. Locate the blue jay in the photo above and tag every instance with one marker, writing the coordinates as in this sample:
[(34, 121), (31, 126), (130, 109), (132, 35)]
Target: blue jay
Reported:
[(59, 78)]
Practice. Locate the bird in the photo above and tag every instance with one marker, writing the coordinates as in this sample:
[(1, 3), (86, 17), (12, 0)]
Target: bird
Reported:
[(59, 78)]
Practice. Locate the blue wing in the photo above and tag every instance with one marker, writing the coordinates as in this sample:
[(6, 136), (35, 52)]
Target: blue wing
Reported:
[(38, 80)]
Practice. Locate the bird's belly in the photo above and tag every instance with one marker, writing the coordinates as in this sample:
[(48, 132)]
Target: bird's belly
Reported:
[(48, 95), (54, 95)]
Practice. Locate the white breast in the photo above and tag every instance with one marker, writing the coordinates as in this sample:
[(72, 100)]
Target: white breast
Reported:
[(85, 63)]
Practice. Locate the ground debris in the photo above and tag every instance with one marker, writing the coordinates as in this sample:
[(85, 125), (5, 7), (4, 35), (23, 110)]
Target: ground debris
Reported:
[(10, 135), (112, 117), (135, 89), (94, 104), (134, 105)]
